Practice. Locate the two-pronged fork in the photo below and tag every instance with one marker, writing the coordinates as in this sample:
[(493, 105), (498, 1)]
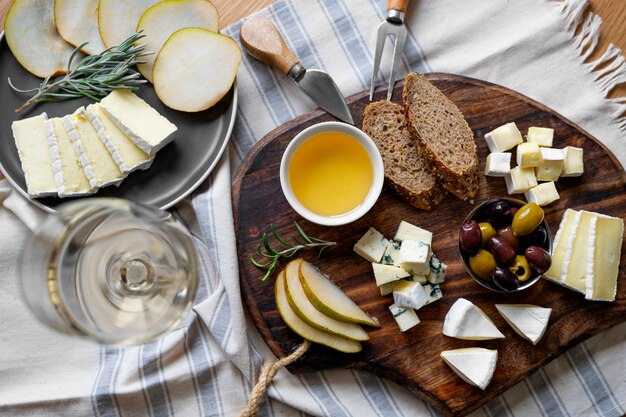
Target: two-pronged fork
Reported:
[(393, 26)]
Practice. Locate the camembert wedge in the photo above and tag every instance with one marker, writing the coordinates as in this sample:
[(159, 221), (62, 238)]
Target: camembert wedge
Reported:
[(529, 321), (138, 120), (465, 320), (474, 365), (31, 140)]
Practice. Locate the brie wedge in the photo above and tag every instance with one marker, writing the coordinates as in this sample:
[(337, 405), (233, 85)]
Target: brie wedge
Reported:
[(605, 250), (474, 365), (527, 320), (466, 321), (68, 173)]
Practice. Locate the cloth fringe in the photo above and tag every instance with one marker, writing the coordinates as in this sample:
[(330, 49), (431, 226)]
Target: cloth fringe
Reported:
[(608, 70)]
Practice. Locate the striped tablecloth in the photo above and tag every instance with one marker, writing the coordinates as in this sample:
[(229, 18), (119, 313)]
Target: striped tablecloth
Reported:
[(208, 366)]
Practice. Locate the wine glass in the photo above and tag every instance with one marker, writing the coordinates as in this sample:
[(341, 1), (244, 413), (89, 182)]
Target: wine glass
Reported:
[(110, 270)]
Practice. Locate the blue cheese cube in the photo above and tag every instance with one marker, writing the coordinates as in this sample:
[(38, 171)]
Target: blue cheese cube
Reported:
[(415, 257), (528, 155), (372, 245), (433, 292), (503, 138), (392, 254), (437, 273), (409, 294), (498, 164), (418, 278), (520, 180), (407, 231), (405, 317), (388, 273), (542, 136)]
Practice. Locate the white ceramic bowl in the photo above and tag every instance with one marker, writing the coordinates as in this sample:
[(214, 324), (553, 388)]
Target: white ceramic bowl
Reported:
[(375, 158)]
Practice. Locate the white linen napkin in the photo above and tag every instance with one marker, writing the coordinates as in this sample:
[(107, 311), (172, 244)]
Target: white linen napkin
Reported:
[(209, 366)]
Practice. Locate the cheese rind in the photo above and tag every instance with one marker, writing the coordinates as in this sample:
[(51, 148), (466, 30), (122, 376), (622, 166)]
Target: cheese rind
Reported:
[(543, 194), (528, 155), (529, 321), (503, 138), (138, 120), (465, 320), (372, 245), (407, 231), (542, 136), (605, 249), (34, 151), (574, 165), (72, 181), (128, 156), (498, 164), (474, 365), (404, 316), (519, 180)]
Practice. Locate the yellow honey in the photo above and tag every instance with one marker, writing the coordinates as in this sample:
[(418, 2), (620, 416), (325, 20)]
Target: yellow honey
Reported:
[(331, 173)]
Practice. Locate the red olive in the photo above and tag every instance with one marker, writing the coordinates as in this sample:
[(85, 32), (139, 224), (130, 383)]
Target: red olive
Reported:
[(538, 258), (501, 250), (470, 237), (506, 233), (505, 279)]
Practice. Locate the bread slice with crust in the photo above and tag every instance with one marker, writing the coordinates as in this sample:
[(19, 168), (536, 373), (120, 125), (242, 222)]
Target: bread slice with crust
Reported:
[(405, 170), (442, 135)]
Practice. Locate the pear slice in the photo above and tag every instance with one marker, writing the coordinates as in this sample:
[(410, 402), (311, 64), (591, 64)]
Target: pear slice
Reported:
[(195, 69), (312, 316), (33, 38), (77, 23), (329, 299), (117, 19), (160, 21), (304, 330)]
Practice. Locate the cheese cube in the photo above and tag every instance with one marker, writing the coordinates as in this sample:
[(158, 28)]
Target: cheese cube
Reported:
[(573, 166), (387, 288), (392, 254), (407, 231), (418, 278), (405, 317), (415, 256), (409, 294), (433, 293), (550, 164), (542, 136), (543, 194), (498, 164), (520, 180), (388, 273), (528, 155), (437, 273), (372, 245), (503, 138)]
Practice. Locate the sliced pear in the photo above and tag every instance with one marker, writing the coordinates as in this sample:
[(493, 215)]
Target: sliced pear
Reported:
[(117, 19), (304, 330), (329, 299), (33, 38), (312, 316), (195, 69), (77, 23), (160, 21)]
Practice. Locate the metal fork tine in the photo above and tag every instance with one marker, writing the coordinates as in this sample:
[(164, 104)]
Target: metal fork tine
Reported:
[(398, 47), (380, 45)]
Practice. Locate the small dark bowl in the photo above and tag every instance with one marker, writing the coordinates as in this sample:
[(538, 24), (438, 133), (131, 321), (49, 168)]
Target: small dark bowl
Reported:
[(479, 215)]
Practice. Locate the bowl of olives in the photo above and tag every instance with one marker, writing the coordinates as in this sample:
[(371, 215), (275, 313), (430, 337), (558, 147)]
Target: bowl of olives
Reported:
[(505, 244)]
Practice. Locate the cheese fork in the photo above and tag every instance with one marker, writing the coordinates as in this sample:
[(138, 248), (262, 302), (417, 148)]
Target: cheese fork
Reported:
[(393, 25)]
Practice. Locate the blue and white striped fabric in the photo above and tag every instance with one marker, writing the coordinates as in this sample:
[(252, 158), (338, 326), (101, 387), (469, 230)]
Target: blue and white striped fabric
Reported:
[(208, 366)]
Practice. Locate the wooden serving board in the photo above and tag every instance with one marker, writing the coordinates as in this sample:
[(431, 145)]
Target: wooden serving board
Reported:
[(412, 358)]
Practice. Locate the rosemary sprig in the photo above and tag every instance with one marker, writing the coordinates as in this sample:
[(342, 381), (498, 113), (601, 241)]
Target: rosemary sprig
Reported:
[(94, 76), (273, 255)]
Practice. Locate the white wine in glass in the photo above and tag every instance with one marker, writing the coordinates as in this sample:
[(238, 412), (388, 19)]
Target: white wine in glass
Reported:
[(110, 270)]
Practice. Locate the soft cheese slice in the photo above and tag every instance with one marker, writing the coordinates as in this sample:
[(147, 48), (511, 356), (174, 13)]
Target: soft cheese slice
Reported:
[(125, 153), (576, 260), (564, 235), (529, 321), (140, 122), (98, 164), (31, 140), (474, 365), (69, 174), (601, 283), (466, 321)]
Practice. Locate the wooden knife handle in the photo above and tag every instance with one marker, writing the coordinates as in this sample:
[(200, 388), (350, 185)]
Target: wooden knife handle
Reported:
[(264, 42), (400, 5)]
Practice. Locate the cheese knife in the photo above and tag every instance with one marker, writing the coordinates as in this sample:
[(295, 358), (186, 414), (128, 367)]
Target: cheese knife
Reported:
[(264, 42)]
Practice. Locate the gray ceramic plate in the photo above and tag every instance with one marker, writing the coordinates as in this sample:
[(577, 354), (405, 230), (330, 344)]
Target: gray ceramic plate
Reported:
[(178, 168)]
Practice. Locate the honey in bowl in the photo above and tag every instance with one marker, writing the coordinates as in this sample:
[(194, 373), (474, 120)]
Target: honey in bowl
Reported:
[(331, 173)]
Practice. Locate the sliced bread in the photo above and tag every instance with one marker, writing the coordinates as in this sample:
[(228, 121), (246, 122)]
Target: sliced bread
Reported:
[(442, 135), (405, 170)]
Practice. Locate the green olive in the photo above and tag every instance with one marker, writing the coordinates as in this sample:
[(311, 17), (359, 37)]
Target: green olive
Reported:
[(527, 218), (487, 231), (481, 263), (521, 268)]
